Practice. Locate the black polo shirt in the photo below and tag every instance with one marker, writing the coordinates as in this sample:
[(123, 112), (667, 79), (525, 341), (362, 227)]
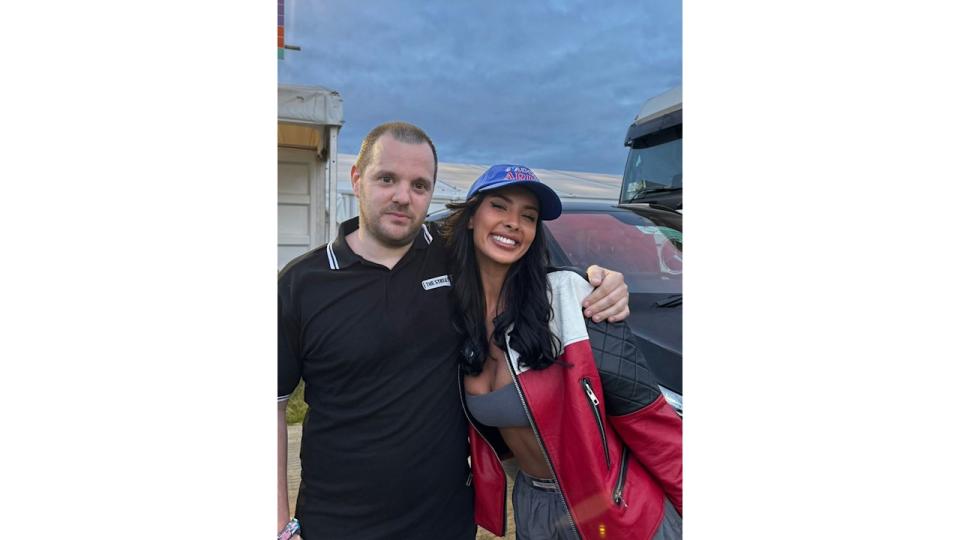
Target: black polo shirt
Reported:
[(384, 448)]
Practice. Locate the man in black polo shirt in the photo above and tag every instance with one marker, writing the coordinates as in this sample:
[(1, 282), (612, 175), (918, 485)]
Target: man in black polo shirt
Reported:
[(366, 322)]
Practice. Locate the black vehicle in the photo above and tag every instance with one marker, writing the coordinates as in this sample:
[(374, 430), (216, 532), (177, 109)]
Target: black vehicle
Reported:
[(645, 242)]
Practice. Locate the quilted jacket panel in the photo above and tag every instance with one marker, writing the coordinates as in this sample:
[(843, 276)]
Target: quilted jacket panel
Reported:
[(628, 384)]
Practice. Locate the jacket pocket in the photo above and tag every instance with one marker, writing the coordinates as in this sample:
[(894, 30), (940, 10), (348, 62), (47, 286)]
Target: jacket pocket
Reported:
[(621, 479), (594, 403)]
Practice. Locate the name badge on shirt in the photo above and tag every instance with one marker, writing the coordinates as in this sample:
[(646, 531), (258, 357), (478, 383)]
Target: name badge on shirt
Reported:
[(433, 283)]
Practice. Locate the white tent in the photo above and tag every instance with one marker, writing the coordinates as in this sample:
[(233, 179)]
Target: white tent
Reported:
[(308, 125)]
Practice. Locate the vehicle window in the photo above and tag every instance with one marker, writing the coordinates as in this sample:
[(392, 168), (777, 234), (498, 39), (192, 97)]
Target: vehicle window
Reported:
[(649, 255), (658, 166)]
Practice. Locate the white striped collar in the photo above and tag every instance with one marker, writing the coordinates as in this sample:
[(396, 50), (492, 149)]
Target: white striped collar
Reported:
[(339, 254)]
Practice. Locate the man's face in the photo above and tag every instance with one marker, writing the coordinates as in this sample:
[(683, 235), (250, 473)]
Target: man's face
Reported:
[(395, 190)]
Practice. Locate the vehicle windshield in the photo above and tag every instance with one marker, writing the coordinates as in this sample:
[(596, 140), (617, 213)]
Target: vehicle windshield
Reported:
[(650, 254), (654, 167)]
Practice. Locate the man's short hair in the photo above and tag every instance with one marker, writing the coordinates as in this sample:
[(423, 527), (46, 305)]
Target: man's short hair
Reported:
[(401, 131)]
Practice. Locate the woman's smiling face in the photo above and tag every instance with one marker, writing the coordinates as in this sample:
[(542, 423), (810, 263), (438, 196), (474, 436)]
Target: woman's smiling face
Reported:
[(504, 225)]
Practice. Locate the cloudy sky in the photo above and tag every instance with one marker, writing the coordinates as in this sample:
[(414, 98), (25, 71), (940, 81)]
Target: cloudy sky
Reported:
[(550, 84)]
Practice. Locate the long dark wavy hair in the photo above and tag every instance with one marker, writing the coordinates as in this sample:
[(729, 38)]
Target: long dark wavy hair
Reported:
[(523, 295)]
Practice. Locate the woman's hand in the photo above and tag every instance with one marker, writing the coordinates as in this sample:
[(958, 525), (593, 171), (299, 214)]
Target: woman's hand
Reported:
[(609, 300)]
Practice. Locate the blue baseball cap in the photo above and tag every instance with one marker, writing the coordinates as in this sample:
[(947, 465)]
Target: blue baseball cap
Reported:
[(498, 176)]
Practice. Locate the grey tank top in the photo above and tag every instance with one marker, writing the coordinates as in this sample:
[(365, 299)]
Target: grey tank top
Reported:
[(500, 408)]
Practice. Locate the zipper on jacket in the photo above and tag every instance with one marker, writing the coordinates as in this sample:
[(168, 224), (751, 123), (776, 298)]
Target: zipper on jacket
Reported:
[(595, 406), (621, 479), (466, 414), (536, 435)]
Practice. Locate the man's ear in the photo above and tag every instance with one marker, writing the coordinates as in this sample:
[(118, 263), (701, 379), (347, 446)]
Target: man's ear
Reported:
[(355, 180)]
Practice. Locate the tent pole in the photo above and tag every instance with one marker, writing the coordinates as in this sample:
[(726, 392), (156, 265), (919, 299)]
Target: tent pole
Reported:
[(333, 132)]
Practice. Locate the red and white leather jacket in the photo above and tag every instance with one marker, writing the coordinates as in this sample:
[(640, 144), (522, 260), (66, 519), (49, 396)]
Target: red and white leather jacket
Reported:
[(611, 440)]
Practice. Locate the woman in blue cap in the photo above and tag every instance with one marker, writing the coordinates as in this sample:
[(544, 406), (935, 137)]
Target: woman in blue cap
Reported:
[(573, 401)]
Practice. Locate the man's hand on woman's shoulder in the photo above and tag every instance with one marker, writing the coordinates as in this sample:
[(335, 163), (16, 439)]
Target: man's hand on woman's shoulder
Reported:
[(609, 301)]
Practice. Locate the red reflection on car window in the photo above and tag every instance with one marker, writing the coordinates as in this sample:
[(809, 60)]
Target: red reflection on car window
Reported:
[(602, 239)]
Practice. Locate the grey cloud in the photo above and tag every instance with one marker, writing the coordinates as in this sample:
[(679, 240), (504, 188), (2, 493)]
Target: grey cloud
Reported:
[(550, 85)]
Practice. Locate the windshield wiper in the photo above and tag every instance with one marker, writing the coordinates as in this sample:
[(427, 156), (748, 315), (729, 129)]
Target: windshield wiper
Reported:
[(673, 300), (644, 193)]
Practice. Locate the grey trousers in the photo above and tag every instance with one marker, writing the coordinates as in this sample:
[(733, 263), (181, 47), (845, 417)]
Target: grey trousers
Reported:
[(539, 513), (671, 528)]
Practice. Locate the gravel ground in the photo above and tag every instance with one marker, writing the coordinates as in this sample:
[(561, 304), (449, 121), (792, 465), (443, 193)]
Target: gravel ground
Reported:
[(293, 481)]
